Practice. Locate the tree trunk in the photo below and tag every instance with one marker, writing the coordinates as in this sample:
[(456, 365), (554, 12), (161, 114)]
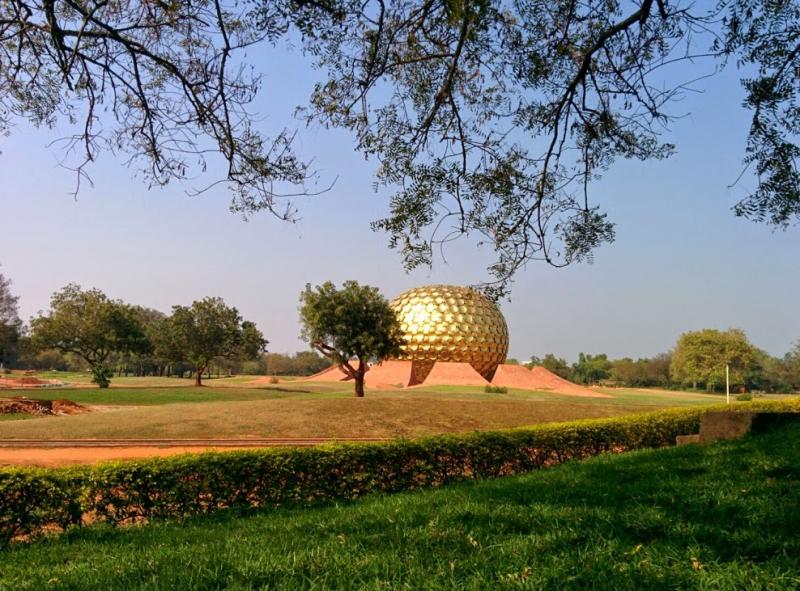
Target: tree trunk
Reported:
[(198, 377), (360, 386), (359, 378)]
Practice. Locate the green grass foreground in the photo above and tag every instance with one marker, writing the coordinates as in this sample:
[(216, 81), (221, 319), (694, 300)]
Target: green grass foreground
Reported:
[(716, 517)]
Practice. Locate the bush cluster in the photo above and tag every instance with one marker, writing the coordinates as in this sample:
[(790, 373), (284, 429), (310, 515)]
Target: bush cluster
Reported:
[(43, 500), (489, 389)]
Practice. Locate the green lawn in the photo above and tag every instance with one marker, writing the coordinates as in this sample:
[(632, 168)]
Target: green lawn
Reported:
[(16, 416), (716, 517), (156, 395), (79, 377)]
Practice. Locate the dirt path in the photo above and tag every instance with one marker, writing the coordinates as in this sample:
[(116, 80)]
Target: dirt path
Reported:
[(51, 453)]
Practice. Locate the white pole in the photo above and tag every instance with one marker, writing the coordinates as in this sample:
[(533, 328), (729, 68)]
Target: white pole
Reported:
[(727, 384)]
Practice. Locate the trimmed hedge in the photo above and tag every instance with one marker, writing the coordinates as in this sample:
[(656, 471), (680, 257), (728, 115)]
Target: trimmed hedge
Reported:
[(34, 500)]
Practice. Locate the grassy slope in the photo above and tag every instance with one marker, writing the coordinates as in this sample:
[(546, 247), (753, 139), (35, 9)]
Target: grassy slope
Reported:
[(716, 517)]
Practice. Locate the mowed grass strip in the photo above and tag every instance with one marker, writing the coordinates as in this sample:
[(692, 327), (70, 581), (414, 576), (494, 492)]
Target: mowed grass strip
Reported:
[(724, 516)]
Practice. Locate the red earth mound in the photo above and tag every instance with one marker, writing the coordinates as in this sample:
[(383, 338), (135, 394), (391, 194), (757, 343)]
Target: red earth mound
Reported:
[(26, 382), (397, 374), (449, 373), (544, 379), (388, 374), (332, 374)]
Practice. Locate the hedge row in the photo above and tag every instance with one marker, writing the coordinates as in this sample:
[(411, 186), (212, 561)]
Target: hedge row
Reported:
[(41, 500)]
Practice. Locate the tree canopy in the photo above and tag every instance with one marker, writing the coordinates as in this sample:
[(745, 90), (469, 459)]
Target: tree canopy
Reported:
[(351, 326), (700, 358), (487, 118), (207, 329), (90, 325)]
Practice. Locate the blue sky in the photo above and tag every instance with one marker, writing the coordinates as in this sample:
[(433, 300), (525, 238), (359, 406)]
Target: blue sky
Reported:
[(681, 260)]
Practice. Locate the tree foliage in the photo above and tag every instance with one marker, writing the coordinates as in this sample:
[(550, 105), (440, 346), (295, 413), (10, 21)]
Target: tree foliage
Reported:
[(351, 326), (642, 372), (206, 330), (156, 81), (591, 369), (495, 118), (302, 363), (700, 358), (490, 118), (90, 325), (10, 324)]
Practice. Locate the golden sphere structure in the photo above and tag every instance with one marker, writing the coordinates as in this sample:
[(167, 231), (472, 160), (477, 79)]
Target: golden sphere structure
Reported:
[(451, 323)]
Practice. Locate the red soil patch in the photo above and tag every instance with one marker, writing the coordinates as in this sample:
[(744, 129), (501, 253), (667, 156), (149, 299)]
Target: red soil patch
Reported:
[(450, 373), (67, 407), (42, 408), (26, 382), (66, 456)]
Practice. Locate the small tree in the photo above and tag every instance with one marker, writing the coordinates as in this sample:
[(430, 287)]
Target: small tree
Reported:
[(207, 329), (10, 324), (91, 326), (350, 326)]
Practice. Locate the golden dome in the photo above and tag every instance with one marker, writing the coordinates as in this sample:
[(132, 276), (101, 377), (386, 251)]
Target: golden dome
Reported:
[(451, 323)]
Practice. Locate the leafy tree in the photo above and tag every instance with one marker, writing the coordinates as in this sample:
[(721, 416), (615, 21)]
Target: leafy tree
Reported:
[(791, 368), (302, 363), (91, 326), (642, 372), (590, 369), (775, 374), (490, 117), (700, 358), (552, 363), (350, 326), (205, 330), (10, 324)]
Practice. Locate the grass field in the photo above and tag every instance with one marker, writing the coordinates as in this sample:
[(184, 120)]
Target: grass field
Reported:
[(231, 407), (720, 517)]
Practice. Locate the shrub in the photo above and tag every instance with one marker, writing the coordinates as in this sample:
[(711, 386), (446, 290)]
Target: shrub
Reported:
[(489, 389), (36, 500), (746, 397)]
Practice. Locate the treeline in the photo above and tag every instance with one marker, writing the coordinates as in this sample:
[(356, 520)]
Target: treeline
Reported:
[(84, 329), (302, 363), (697, 361)]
